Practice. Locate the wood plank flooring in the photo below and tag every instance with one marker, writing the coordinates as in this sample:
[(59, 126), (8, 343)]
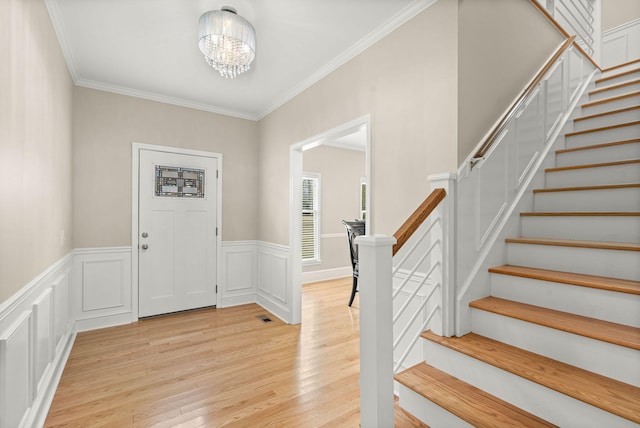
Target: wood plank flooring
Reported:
[(220, 368)]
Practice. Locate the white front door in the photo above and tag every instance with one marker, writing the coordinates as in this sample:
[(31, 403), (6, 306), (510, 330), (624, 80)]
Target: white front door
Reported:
[(177, 227)]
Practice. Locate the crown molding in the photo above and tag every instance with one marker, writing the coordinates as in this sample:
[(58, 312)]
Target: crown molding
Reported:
[(58, 27), (152, 96)]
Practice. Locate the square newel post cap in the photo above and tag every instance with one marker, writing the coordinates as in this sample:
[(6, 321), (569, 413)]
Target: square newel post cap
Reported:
[(375, 241)]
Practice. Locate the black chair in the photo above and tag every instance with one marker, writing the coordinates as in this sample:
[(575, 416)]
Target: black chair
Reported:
[(354, 229)]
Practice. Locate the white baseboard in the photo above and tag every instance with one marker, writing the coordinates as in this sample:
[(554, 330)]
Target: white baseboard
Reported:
[(326, 274)]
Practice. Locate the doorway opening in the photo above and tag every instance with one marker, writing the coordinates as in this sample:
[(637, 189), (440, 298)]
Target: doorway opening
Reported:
[(354, 135)]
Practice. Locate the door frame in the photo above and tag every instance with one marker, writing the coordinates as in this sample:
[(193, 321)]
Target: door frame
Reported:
[(135, 206), (295, 201)]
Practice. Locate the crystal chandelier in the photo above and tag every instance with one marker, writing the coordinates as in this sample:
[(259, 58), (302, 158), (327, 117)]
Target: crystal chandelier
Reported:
[(227, 40)]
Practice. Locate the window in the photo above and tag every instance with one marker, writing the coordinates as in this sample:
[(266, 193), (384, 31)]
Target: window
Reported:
[(363, 198), (310, 218)]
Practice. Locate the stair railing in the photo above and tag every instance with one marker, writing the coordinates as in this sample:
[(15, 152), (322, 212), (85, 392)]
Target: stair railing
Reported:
[(494, 180), (407, 286), (579, 17)]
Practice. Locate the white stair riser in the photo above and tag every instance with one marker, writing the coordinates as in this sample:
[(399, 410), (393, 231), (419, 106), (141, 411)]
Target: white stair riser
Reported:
[(598, 155), (608, 120), (624, 199), (588, 228), (619, 79), (543, 402), (616, 362), (428, 412), (621, 308), (614, 92), (619, 70), (589, 261), (605, 136), (602, 175), (611, 105)]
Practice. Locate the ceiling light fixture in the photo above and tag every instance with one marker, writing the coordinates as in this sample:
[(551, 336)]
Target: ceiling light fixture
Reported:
[(227, 40)]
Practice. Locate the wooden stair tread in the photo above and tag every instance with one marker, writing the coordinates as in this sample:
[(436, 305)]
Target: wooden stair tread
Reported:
[(602, 128), (467, 402), (599, 146), (581, 214), (571, 189), (605, 331), (624, 246), (615, 76), (578, 279), (600, 391), (611, 99), (624, 64), (606, 113), (616, 86), (593, 165)]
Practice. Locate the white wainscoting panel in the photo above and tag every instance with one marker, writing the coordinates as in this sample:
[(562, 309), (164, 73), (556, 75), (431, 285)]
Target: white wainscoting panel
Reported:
[(101, 295), (239, 276), (274, 287), (15, 358), (621, 44), (35, 341), (42, 336)]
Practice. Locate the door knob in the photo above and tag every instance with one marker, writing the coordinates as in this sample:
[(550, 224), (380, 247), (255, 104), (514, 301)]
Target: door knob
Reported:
[(145, 234), (145, 246)]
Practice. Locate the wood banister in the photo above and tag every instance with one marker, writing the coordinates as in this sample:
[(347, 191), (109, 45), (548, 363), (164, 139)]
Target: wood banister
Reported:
[(415, 220), (488, 142)]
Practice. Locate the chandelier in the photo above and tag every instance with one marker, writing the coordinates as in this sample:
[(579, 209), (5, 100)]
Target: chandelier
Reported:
[(227, 40)]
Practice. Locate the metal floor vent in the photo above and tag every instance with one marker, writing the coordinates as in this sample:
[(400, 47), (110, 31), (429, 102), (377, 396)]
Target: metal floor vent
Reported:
[(263, 318)]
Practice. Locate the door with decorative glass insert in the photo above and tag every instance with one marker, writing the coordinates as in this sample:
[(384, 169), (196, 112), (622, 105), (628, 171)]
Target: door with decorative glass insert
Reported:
[(177, 225)]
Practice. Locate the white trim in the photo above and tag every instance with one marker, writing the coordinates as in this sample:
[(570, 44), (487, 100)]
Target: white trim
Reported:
[(135, 165), (622, 27), (326, 274), (295, 201), (152, 96), (332, 235)]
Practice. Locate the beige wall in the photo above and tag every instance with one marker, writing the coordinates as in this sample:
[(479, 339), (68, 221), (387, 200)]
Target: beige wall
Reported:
[(407, 82), (502, 44), (105, 125), (617, 12), (35, 145), (340, 172)]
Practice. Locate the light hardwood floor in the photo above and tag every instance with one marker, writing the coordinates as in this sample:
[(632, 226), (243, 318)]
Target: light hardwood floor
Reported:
[(220, 367)]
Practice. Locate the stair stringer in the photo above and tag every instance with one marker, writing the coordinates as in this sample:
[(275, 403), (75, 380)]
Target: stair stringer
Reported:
[(472, 276)]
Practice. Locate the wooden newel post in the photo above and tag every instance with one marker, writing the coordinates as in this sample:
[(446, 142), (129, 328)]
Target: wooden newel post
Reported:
[(376, 331)]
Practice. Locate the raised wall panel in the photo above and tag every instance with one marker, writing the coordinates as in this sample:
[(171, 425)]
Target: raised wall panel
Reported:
[(528, 140), (273, 284), (102, 284), (491, 194), (15, 383), (101, 287), (43, 335), (575, 73), (238, 273), (554, 104), (621, 44), (60, 289)]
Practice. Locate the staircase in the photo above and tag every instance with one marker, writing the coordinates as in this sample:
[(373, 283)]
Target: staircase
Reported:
[(558, 341)]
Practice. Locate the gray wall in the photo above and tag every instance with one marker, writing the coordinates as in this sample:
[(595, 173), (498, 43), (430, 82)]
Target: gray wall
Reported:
[(617, 12)]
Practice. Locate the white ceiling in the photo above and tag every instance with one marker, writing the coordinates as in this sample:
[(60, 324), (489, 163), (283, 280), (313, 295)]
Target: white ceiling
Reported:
[(149, 48)]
